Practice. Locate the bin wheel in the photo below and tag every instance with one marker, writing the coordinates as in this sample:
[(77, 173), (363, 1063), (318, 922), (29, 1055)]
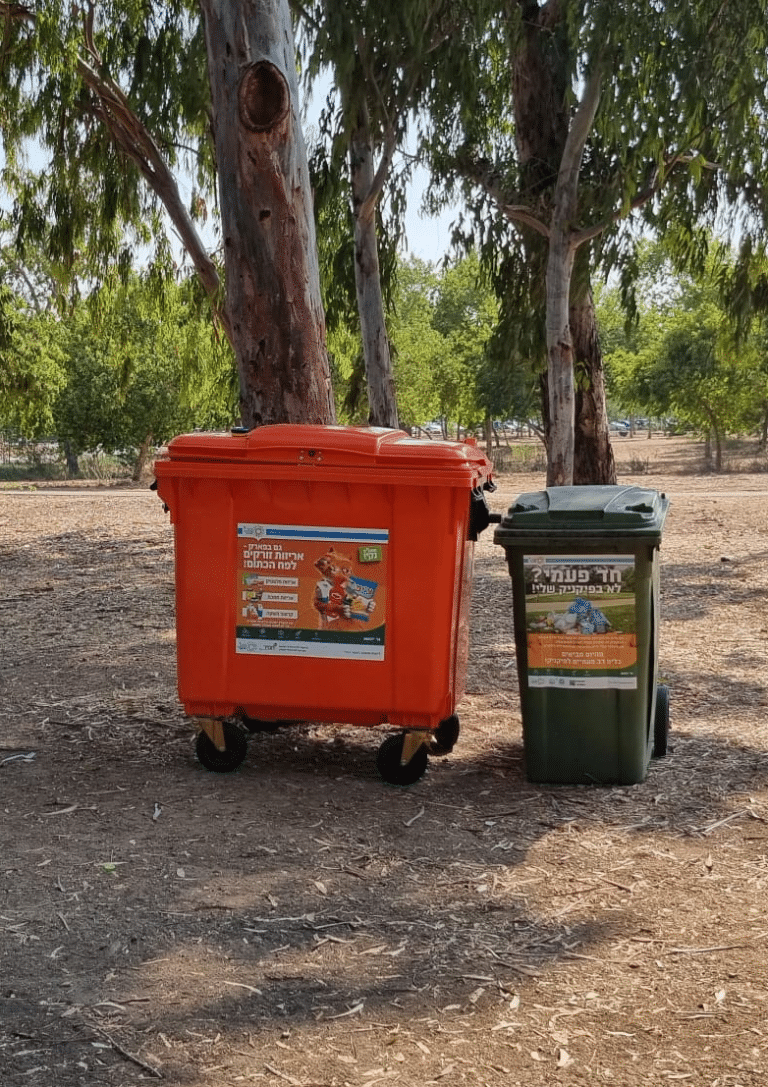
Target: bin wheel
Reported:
[(445, 736), (253, 724), (390, 766), (661, 722), (222, 762)]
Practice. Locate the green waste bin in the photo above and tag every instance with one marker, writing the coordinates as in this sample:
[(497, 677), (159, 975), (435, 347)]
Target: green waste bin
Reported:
[(585, 583)]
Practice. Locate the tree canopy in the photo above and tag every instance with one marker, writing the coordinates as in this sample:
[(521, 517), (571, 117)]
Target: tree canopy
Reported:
[(686, 356), (131, 365), (121, 97), (115, 97), (568, 127), (575, 123)]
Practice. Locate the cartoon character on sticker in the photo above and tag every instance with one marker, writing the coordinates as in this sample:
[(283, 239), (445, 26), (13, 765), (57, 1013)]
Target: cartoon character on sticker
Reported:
[(338, 594)]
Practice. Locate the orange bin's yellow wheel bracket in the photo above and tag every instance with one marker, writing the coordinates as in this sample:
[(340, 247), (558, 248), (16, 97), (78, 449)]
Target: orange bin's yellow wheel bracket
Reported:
[(221, 745), (402, 759)]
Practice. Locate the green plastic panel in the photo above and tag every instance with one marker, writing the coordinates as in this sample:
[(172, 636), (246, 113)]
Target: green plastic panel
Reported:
[(585, 511), (581, 724)]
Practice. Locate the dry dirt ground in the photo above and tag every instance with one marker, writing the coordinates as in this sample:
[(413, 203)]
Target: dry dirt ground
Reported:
[(299, 921)]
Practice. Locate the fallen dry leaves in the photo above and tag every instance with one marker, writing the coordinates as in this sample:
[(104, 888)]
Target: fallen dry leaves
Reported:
[(300, 922)]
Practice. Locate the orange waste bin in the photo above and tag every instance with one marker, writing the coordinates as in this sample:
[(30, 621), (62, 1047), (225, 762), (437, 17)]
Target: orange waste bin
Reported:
[(323, 573)]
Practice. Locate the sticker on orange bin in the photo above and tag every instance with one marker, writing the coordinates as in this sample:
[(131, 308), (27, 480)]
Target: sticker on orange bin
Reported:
[(580, 621), (311, 591)]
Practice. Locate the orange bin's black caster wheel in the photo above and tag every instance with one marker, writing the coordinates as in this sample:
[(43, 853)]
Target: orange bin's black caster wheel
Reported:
[(222, 762), (445, 736), (389, 761)]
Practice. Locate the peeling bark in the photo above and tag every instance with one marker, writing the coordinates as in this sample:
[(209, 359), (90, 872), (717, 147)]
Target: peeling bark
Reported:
[(272, 277), (366, 189), (562, 397), (593, 454)]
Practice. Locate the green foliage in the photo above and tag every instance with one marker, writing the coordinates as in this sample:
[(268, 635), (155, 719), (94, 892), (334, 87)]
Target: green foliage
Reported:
[(465, 314), (89, 203), (130, 364), (377, 53), (419, 348), (686, 356), (442, 332), (32, 366), (678, 145), (141, 365)]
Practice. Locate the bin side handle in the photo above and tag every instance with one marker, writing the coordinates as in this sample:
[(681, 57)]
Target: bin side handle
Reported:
[(479, 514)]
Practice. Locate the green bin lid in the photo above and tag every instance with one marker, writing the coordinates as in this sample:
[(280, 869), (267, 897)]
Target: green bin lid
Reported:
[(588, 511)]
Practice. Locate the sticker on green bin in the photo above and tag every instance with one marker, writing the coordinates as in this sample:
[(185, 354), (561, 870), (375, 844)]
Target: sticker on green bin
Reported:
[(301, 593), (581, 625)]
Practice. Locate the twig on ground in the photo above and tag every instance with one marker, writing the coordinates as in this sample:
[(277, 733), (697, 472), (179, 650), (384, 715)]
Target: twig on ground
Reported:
[(129, 1056), (718, 947)]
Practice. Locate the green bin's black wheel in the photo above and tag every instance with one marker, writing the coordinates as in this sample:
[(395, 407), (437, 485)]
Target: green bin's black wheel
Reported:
[(661, 722), (389, 765), (445, 736), (222, 762)]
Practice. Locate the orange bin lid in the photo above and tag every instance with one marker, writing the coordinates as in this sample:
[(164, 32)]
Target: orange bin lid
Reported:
[(330, 446)]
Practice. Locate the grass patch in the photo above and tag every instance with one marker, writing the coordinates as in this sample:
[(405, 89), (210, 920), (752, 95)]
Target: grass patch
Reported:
[(23, 472), (519, 458), (97, 466)]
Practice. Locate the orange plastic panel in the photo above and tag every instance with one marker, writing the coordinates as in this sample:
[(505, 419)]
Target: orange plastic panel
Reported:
[(322, 573)]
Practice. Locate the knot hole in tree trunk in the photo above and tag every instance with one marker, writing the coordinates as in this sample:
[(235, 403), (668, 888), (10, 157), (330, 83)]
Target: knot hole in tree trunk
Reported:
[(264, 97)]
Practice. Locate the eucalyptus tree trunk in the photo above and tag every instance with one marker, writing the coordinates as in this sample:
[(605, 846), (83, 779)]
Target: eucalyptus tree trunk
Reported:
[(272, 278), (576, 416), (593, 454), (366, 188), (561, 387), (718, 437), (550, 144), (577, 430)]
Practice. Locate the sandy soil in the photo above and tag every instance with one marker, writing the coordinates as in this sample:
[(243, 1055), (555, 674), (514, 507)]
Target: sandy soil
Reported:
[(301, 922)]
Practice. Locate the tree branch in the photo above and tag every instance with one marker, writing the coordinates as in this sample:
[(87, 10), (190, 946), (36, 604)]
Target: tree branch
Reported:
[(382, 171), (88, 30), (578, 133), (483, 173), (660, 178), (390, 141), (12, 13), (134, 140), (22, 272), (519, 213), (17, 11)]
